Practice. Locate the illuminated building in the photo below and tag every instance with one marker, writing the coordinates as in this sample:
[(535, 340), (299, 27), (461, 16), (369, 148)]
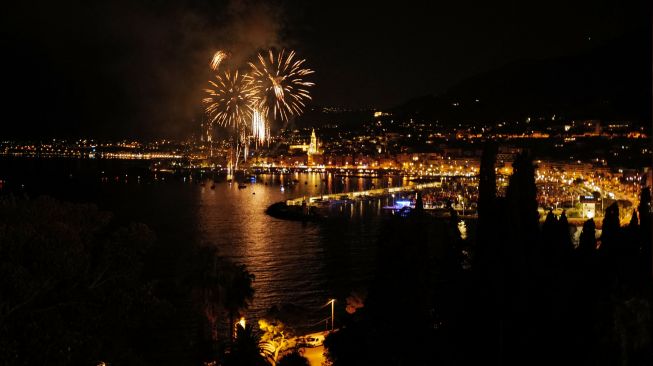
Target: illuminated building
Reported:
[(311, 149), (588, 206)]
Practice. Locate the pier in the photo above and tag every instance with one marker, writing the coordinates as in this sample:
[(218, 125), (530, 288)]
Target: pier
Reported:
[(362, 194)]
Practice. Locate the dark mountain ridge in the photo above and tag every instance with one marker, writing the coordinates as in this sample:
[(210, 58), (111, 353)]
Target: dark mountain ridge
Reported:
[(610, 82)]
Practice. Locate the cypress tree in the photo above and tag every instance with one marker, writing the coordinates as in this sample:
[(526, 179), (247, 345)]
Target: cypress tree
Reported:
[(522, 199), (549, 236), (610, 231), (645, 230), (487, 186), (563, 227), (587, 240)]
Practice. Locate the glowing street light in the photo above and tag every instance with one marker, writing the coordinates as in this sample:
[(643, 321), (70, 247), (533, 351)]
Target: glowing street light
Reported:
[(332, 301)]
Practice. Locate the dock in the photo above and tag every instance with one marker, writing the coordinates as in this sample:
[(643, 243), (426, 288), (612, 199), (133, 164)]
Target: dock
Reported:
[(362, 194)]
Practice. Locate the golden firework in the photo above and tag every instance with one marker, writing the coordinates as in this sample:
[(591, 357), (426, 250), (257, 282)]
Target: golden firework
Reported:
[(230, 100), (217, 59), (260, 128), (278, 81)]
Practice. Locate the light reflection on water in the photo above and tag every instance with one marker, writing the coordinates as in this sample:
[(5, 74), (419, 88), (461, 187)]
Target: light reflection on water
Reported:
[(297, 263), (294, 263)]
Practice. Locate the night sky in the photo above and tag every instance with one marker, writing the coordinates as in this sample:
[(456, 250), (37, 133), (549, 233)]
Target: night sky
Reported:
[(137, 68)]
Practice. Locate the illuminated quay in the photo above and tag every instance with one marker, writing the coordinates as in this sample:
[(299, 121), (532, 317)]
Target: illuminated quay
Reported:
[(362, 194)]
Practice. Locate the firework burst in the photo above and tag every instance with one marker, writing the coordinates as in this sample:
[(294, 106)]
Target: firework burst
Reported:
[(278, 81), (274, 87), (230, 100)]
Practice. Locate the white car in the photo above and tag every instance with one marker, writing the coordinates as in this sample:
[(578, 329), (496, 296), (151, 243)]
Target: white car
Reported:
[(310, 341)]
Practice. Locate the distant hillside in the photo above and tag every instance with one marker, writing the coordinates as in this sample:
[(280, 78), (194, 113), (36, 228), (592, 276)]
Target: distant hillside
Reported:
[(609, 82), (322, 116)]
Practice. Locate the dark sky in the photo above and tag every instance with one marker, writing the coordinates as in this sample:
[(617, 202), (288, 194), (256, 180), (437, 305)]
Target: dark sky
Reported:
[(137, 68)]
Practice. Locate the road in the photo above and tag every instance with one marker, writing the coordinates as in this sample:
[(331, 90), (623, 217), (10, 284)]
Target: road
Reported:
[(315, 355)]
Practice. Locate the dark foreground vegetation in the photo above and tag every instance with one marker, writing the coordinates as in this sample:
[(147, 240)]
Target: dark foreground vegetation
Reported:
[(79, 288), (517, 294), (76, 288)]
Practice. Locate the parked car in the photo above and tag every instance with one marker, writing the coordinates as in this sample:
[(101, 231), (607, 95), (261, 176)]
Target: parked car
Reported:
[(310, 341)]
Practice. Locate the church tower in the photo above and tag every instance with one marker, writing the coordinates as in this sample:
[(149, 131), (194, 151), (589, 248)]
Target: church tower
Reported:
[(313, 147)]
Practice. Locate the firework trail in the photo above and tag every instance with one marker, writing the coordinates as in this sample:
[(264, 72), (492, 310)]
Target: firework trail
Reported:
[(260, 129), (217, 59), (278, 81)]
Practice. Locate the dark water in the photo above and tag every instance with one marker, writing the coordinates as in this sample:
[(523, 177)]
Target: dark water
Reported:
[(303, 264)]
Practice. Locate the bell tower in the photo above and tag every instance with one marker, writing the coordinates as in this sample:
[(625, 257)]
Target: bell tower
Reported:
[(313, 147)]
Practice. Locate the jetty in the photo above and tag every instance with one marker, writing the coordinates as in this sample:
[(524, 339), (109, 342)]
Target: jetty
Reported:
[(361, 194)]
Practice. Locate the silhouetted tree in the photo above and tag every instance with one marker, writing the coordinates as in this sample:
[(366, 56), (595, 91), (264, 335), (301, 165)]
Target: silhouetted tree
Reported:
[(72, 286), (644, 210), (550, 236), (548, 228), (644, 207), (611, 247), (587, 239), (487, 186), (521, 197), (585, 293), (610, 231), (630, 263), (419, 202), (487, 242), (634, 221), (514, 306), (245, 350), (411, 303), (208, 284), (237, 290), (222, 290), (489, 266), (487, 250), (293, 359), (565, 238), (521, 263)]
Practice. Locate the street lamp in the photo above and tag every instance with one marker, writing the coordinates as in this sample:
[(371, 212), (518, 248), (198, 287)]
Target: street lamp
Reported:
[(332, 301)]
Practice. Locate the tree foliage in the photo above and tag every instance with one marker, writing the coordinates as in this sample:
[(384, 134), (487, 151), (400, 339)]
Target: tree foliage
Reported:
[(530, 296), (275, 338), (72, 289)]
